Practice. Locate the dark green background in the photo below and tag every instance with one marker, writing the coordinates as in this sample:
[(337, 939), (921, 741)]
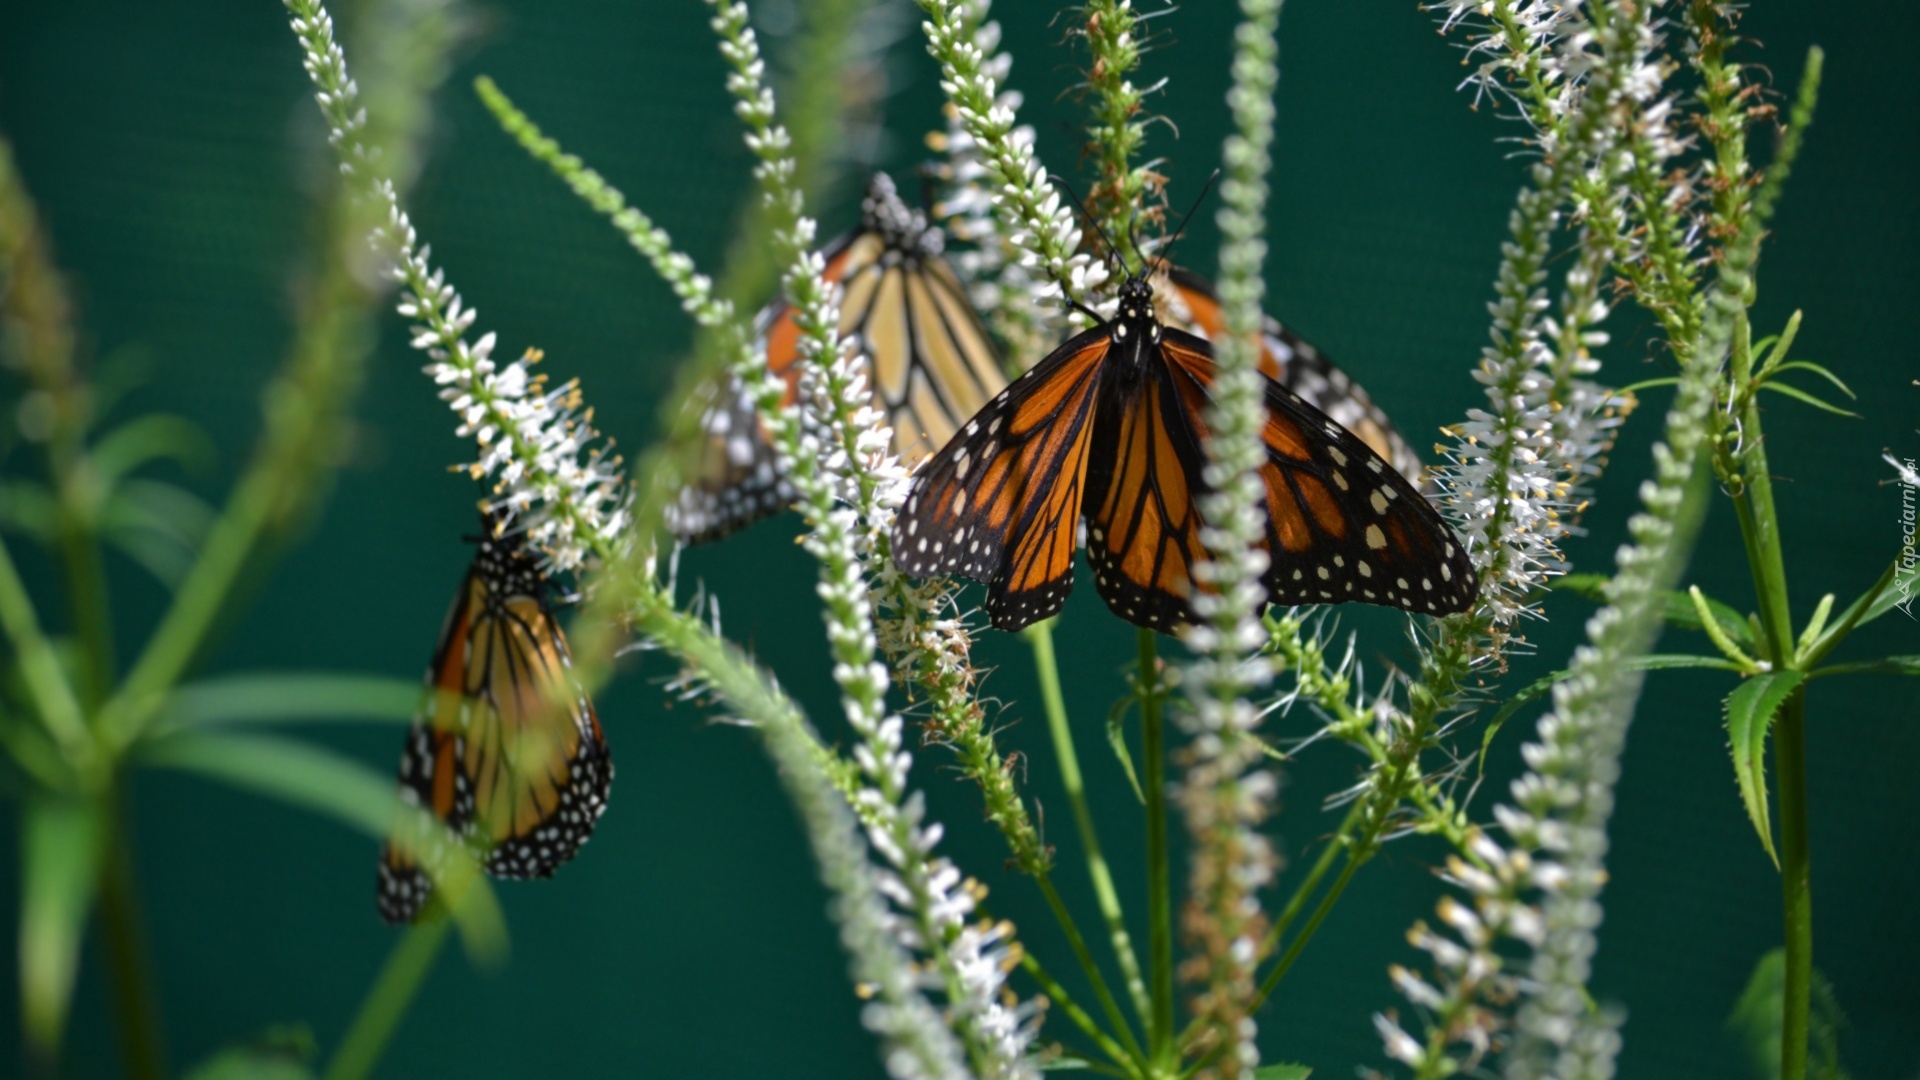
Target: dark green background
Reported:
[(165, 143)]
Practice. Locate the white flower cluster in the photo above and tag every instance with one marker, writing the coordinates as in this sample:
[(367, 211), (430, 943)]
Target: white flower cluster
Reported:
[(836, 449), (1000, 284), (1517, 468), (1036, 220), (548, 466), (1514, 469), (1226, 795)]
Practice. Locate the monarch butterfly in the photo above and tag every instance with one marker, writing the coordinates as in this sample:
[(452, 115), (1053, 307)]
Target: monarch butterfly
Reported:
[(1191, 304), (506, 751), (933, 365), (1109, 428)]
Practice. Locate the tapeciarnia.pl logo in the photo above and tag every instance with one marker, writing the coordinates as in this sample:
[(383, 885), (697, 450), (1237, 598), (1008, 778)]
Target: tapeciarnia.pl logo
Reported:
[(1904, 568)]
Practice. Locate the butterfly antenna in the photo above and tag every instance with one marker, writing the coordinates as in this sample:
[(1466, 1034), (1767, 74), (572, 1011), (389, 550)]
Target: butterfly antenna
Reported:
[(1112, 252), (1165, 264), (1113, 249)]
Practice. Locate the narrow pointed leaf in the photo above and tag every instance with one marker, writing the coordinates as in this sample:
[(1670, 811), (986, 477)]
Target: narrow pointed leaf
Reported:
[(1538, 688), (1750, 709), (1808, 365), (339, 787), (1679, 612), (1801, 395), (1117, 738), (1280, 1071), (1886, 593), (275, 698), (1887, 665), (60, 860)]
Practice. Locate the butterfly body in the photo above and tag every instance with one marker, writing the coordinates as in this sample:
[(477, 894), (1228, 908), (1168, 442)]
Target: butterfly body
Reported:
[(506, 751), (1109, 429)]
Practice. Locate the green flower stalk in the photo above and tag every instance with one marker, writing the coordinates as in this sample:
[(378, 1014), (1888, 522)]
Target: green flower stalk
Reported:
[(1119, 126), (1225, 796), (1034, 218), (836, 449)]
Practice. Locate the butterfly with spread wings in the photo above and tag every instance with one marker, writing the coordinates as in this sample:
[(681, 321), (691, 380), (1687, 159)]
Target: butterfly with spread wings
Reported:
[(932, 365), (1188, 301), (1110, 428), (506, 751)]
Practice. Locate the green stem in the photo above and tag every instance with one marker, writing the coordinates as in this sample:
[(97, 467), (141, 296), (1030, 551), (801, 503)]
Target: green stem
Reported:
[(1267, 985), (87, 593), (387, 1002), (1321, 865), (1064, 1001), (1789, 749), (40, 671), (142, 1048), (1078, 944), (1153, 748), (1040, 636)]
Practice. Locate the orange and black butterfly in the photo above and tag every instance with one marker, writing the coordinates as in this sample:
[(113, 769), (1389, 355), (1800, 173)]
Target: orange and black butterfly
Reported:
[(506, 751), (1109, 428), (1188, 301), (932, 365)]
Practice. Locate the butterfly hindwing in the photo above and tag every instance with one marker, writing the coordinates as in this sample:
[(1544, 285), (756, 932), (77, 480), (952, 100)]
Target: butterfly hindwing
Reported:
[(506, 752)]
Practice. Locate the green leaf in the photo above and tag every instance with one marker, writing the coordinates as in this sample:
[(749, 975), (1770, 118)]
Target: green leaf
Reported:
[(27, 507), (1801, 395), (1808, 365), (1750, 710), (1757, 1017), (144, 438), (339, 787), (273, 698), (1065, 1064), (158, 525), (1889, 665), (60, 855), (1117, 738), (1534, 690), (1879, 598), (1758, 1012), (1282, 1072), (282, 1053), (1679, 611)]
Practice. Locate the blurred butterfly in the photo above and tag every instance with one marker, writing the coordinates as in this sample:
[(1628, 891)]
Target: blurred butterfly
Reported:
[(1109, 428), (1189, 302), (506, 751), (932, 365)]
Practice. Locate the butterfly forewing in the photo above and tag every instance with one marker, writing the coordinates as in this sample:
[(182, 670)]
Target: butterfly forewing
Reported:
[(932, 365), (1342, 524), (1001, 502), (506, 752), (1190, 303)]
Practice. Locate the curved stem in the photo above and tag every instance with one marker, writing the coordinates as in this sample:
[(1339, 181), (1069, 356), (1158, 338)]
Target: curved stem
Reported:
[(387, 1001), (1078, 944), (142, 1048), (1040, 636), (1796, 880), (1064, 1001), (1153, 748)]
